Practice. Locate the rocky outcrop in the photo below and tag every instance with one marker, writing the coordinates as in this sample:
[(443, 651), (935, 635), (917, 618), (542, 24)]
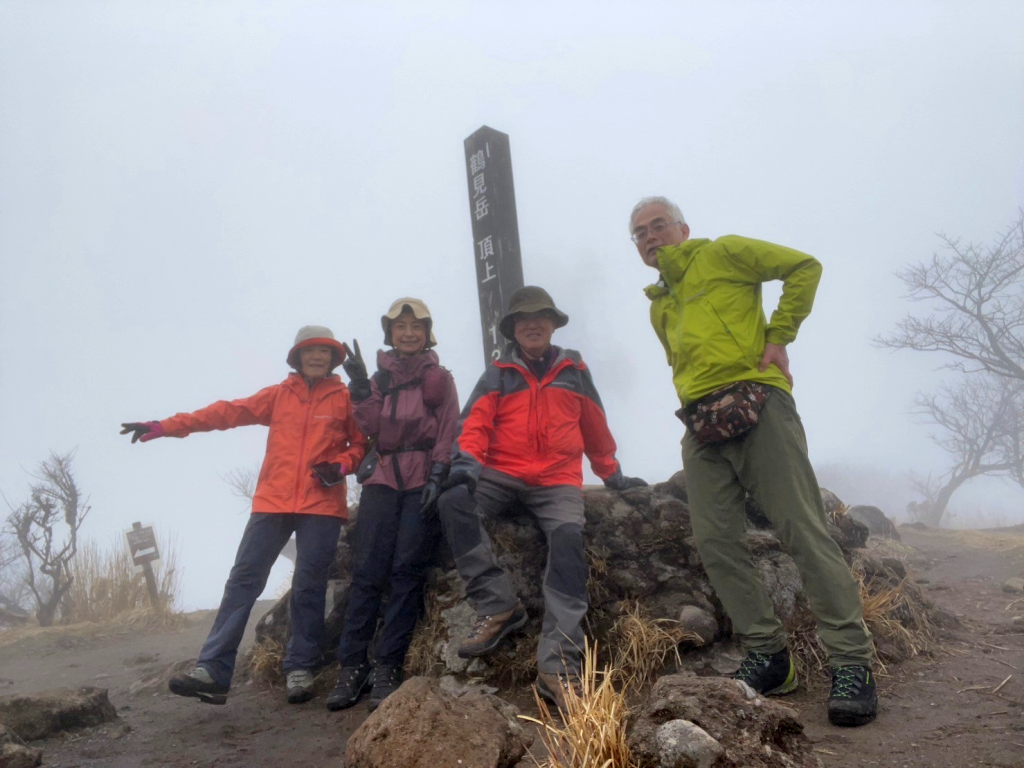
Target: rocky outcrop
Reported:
[(876, 521), (640, 549), (424, 725), (41, 715), (714, 722)]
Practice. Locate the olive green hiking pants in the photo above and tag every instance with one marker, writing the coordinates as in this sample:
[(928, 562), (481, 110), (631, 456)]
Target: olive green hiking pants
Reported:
[(771, 463)]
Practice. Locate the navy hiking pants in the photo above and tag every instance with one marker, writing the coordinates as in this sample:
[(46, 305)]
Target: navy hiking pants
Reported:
[(392, 546), (316, 542)]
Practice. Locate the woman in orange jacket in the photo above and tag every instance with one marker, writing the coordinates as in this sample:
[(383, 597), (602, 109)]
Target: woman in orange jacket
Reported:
[(313, 443)]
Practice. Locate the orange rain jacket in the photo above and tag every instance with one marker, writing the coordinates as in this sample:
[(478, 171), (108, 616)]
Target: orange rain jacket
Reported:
[(535, 430), (308, 425)]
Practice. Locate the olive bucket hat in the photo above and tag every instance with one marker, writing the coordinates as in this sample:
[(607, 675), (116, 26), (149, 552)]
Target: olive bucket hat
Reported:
[(529, 298), (316, 335), (418, 309)]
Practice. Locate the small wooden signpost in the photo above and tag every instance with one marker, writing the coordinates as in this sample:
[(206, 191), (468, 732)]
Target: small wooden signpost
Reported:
[(142, 544)]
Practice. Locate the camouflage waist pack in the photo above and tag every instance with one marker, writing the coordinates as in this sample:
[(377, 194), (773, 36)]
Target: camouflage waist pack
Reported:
[(726, 413)]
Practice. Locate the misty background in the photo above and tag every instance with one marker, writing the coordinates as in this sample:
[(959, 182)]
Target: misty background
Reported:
[(182, 186)]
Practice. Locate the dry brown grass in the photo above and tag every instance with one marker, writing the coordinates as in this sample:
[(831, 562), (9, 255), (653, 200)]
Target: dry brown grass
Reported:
[(107, 586), (1005, 542), (592, 731), (642, 645), (597, 571), (516, 666), (423, 657), (894, 612), (264, 663)]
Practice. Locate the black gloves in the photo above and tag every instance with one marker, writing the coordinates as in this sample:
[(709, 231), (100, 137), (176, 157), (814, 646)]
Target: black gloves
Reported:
[(145, 431), (359, 379), (432, 490), (460, 477), (328, 473), (619, 482)]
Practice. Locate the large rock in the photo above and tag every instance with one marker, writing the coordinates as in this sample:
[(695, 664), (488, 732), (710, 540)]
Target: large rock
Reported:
[(44, 714), (877, 523), (14, 754), (423, 726), (714, 722)]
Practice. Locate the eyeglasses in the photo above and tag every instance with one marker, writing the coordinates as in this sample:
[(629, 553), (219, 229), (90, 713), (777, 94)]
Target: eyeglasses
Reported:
[(642, 233)]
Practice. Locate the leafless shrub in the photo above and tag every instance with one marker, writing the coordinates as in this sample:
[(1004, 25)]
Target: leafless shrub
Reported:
[(46, 527)]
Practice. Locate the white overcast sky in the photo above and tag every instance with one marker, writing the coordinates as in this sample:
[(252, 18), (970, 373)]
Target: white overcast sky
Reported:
[(183, 185)]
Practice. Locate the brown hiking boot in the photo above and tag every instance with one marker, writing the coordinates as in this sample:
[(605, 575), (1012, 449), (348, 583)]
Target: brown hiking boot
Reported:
[(555, 688), (489, 631)]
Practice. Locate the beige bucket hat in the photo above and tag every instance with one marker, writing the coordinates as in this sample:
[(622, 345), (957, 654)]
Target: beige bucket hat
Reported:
[(419, 310), (313, 335), (529, 298)]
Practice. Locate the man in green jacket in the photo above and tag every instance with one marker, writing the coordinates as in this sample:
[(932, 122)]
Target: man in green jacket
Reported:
[(706, 309)]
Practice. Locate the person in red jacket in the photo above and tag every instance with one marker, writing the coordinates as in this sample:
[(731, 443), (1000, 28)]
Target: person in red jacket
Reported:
[(522, 436), (410, 408), (313, 443)]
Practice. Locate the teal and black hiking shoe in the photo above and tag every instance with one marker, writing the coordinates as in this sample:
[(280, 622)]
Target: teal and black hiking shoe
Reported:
[(853, 700), (772, 675)]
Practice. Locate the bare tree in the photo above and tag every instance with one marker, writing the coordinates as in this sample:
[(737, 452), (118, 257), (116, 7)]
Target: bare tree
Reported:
[(242, 482), (46, 527), (974, 314), (975, 301), (979, 427)]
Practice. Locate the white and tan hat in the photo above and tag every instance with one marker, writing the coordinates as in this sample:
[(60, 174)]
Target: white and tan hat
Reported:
[(419, 310)]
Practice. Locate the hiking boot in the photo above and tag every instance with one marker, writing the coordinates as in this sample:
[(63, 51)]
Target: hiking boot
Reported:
[(853, 700), (555, 688), (386, 680), (489, 631), (769, 675), (299, 686), (352, 683), (198, 684)]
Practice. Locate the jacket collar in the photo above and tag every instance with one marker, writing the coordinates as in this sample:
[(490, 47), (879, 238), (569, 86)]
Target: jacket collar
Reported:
[(673, 261), (404, 368), (328, 384), (563, 358)]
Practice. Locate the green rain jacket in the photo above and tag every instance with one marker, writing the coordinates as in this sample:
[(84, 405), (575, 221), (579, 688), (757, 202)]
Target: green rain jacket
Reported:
[(707, 310)]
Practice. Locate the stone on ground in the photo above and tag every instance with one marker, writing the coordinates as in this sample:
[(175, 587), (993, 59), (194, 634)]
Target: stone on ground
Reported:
[(423, 726), (879, 525), (714, 722), (44, 714), (16, 755)]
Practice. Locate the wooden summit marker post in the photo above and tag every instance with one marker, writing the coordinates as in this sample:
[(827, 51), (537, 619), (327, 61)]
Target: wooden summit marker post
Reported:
[(142, 544), (492, 211)]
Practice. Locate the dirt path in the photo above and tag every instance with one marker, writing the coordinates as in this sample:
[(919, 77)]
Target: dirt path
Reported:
[(938, 712), (942, 711)]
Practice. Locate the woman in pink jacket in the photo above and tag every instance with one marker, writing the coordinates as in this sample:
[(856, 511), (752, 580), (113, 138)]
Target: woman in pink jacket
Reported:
[(410, 408)]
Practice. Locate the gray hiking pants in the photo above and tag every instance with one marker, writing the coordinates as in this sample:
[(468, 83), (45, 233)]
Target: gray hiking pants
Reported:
[(559, 511), (770, 462)]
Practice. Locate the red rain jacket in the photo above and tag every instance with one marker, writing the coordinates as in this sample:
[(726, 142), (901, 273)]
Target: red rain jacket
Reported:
[(308, 425), (535, 430)]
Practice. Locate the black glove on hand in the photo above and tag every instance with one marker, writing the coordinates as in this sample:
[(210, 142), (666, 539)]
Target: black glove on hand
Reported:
[(460, 477), (328, 473), (619, 482), (432, 490), (358, 378), (144, 431)]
